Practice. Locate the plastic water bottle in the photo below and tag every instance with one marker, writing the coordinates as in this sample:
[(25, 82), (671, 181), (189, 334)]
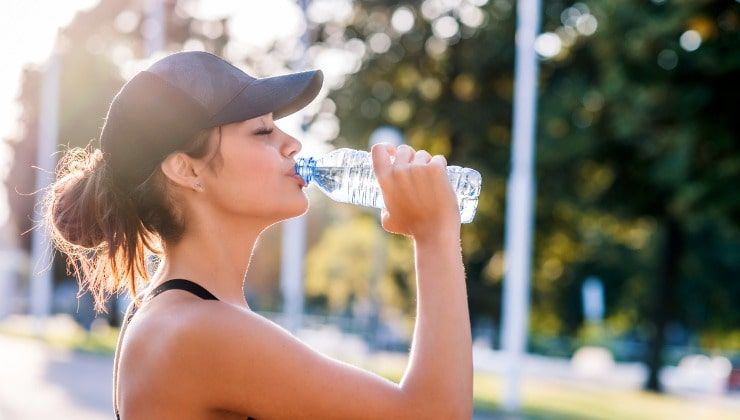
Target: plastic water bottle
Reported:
[(347, 176)]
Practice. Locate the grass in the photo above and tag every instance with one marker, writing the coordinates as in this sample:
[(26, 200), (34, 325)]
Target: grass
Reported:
[(555, 399), (541, 398), (64, 333), (558, 399)]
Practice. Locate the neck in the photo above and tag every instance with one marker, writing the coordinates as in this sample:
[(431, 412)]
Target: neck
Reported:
[(215, 254)]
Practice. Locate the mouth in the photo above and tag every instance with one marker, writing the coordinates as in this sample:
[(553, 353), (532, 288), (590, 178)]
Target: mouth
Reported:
[(299, 179)]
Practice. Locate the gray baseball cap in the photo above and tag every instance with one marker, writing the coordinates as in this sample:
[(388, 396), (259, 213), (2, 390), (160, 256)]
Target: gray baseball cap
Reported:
[(163, 107)]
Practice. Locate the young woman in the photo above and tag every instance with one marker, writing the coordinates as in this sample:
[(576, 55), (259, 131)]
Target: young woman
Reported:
[(192, 168)]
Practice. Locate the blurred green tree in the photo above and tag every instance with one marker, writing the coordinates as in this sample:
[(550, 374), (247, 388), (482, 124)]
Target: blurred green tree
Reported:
[(353, 254), (646, 104), (448, 99), (637, 149)]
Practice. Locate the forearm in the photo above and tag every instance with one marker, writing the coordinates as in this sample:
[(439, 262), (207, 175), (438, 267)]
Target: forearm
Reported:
[(440, 370)]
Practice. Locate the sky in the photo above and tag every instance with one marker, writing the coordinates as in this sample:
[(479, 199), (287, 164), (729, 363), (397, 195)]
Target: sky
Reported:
[(27, 30)]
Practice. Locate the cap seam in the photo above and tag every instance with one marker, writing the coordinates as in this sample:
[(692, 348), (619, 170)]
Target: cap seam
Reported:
[(162, 79), (210, 118)]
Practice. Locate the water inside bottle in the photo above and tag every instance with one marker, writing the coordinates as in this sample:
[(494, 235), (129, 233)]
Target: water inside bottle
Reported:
[(357, 185), (354, 185)]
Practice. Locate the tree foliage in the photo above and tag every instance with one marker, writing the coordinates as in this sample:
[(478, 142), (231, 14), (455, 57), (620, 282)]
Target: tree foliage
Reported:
[(637, 151)]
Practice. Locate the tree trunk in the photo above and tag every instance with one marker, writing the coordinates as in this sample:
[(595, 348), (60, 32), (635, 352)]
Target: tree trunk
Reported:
[(670, 257)]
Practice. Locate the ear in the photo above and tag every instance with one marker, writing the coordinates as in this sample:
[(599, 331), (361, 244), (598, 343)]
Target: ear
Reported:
[(180, 169)]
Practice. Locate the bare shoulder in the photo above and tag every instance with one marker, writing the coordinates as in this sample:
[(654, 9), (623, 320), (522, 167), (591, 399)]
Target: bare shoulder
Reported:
[(174, 328), (233, 360), (153, 355)]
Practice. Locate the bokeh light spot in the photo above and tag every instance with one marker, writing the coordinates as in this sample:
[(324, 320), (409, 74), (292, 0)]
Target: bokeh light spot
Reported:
[(399, 111), (547, 45), (402, 20), (568, 36), (586, 24), (464, 87), (667, 59), (436, 47), (445, 27), (430, 88), (471, 16), (690, 40), (126, 22), (379, 43)]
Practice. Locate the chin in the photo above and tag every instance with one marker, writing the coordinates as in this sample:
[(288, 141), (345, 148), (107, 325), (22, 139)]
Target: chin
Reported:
[(303, 209), (299, 209)]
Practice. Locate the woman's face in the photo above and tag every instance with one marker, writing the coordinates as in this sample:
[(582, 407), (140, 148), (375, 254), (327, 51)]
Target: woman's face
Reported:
[(253, 175)]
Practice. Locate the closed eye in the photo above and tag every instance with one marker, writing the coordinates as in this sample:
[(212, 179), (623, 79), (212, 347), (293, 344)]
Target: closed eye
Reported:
[(263, 132)]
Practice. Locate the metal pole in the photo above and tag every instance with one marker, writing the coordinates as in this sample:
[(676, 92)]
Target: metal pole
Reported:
[(42, 273), (294, 237), (520, 202)]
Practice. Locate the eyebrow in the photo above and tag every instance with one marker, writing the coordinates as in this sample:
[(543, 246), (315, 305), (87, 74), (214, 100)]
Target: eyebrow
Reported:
[(263, 127)]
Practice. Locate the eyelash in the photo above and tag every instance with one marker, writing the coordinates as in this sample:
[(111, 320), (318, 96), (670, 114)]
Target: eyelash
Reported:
[(264, 132)]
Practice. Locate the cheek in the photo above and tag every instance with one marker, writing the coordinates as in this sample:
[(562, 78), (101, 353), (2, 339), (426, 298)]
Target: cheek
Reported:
[(247, 179), (254, 170)]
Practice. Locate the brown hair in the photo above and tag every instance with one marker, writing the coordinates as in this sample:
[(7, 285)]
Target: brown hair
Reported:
[(108, 233)]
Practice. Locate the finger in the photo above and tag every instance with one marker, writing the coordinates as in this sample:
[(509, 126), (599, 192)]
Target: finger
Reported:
[(422, 157), (438, 160), (440, 164), (404, 154), (382, 159)]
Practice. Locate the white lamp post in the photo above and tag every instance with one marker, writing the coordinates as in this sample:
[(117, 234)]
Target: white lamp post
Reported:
[(294, 238), (520, 202), (42, 272)]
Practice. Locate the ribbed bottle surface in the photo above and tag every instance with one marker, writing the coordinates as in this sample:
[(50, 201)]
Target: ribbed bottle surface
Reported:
[(347, 176)]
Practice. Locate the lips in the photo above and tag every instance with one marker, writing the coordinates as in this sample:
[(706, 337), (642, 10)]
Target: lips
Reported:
[(300, 180), (291, 172)]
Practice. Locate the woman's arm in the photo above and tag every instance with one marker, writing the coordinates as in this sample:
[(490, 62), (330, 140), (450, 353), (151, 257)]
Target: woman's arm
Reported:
[(441, 366), (420, 203)]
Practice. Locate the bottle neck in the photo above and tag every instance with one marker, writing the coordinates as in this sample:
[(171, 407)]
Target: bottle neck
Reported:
[(305, 168)]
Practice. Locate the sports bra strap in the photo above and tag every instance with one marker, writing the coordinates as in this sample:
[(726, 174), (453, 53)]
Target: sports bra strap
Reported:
[(182, 284)]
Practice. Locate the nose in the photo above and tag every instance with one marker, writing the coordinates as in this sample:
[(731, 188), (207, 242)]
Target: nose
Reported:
[(291, 146)]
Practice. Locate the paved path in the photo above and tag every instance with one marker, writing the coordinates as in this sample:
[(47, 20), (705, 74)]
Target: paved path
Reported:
[(38, 382)]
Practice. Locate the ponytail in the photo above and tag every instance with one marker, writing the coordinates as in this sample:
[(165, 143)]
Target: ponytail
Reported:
[(108, 233), (97, 226)]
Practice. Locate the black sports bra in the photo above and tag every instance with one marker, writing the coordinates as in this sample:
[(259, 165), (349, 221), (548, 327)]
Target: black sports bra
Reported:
[(178, 284)]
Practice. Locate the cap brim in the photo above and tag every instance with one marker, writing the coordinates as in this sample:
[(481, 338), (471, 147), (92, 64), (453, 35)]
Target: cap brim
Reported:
[(281, 95)]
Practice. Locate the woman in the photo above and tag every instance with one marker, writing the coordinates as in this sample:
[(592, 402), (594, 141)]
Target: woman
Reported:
[(193, 168)]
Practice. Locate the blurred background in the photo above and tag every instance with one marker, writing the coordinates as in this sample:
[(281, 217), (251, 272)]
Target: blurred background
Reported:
[(631, 298)]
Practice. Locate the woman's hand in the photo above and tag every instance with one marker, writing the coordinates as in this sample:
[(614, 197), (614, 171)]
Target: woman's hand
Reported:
[(419, 200)]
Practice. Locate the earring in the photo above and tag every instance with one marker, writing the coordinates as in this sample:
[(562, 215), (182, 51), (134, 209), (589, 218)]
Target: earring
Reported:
[(198, 187)]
